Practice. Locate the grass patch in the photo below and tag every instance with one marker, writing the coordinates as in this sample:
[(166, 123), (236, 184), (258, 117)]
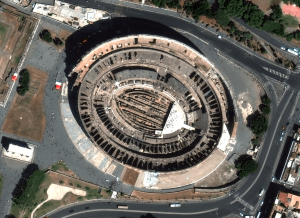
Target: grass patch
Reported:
[(41, 193), (59, 166), (3, 31), (1, 183), (48, 206), (17, 60), (289, 21)]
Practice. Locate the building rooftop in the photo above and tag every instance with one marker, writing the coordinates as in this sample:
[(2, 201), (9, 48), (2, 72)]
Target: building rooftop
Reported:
[(75, 16)]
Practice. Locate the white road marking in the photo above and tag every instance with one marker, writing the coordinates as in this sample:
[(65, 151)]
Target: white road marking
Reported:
[(141, 211), (276, 73)]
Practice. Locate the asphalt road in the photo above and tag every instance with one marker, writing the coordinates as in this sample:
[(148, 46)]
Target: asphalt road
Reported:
[(246, 194)]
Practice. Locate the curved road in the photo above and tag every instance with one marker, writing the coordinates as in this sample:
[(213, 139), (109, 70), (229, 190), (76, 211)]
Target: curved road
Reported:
[(246, 195)]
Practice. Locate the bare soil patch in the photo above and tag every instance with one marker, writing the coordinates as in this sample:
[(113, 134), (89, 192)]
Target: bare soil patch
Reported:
[(225, 174), (262, 4), (186, 194), (130, 176), (26, 115), (64, 35)]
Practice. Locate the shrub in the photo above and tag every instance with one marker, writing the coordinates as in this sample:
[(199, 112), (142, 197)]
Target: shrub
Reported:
[(87, 188), (71, 184), (79, 186), (61, 182)]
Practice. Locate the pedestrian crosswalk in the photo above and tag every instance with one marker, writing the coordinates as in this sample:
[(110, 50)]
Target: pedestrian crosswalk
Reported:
[(276, 73), (239, 199)]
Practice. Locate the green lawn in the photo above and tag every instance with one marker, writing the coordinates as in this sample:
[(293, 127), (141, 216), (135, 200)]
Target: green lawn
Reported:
[(3, 31), (41, 194), (1, 183), (59, 166), (289, 21)]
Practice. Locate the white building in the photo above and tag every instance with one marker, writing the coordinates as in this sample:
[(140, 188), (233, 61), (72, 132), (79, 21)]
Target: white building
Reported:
[(75, 16), (20, 153)]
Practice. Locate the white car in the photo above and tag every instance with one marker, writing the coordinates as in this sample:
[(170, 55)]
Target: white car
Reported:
[(175, 205), (262, 191), (219, 36), (261, 203)]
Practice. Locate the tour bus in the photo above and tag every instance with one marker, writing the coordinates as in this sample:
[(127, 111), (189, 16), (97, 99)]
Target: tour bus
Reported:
[(175, 205), (123, 207)]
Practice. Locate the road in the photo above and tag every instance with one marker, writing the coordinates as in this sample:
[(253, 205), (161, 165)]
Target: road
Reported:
[(246, 194)]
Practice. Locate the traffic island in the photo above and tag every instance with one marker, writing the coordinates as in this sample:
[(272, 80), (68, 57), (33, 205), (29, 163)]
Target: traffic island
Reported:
[(181, 195)]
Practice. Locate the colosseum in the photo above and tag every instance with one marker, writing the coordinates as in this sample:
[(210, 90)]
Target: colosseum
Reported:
[(151, 103)]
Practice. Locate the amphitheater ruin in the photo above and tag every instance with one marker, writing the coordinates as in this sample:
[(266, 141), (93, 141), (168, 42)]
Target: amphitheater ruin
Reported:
[(151, 103)]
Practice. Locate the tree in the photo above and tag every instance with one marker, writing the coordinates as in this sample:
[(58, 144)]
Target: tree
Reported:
[(29, 192), (273, 27), (173, 4), (259, 125), (253, 16), (289, 37), (246, 167), (24, 82), (234, 8), (46, 36), (277, 12), (265, 110), (200, 9), (297, 35), (222, 18), (265, 100)]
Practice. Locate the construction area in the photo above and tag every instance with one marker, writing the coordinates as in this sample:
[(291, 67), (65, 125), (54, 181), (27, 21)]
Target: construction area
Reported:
[(26, 116), (75, 16)]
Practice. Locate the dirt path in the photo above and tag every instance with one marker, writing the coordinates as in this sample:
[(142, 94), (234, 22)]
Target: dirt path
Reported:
[(57, 192)]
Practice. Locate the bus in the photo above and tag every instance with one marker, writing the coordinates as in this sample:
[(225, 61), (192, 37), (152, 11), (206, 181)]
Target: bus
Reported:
[(123, 207)]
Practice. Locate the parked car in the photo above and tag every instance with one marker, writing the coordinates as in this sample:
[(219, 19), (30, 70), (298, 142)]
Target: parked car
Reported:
[(219, 36), (281, 138), (261, 203)]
